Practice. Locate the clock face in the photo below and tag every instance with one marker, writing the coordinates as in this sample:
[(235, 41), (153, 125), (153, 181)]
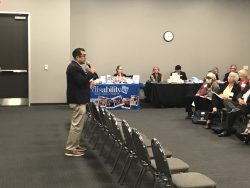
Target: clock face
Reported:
[(168, 36)]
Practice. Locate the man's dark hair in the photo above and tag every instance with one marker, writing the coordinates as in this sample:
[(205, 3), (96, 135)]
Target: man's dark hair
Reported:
[(177, 67), (77, 52)]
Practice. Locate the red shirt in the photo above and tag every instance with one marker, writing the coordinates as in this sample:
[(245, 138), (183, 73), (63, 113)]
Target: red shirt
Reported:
[(243, 84)]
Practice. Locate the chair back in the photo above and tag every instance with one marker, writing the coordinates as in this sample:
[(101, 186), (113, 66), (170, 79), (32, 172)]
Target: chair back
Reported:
[(96, 113), (161, 160), (108, 120), (128, 135), (101, 113), (140, 147), (115, 128)]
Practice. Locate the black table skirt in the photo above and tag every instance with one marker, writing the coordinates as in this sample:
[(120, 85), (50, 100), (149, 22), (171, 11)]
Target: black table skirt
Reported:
[(169, 95)]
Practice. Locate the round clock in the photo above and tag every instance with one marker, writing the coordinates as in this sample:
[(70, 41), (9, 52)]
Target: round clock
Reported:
[(168, 36)]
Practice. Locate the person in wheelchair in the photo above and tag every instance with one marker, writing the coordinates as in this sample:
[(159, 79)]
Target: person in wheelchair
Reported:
[(241, 107), (228, 92)]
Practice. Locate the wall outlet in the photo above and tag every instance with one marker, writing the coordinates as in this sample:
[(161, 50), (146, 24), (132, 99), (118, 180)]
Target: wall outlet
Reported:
[(46, 67)]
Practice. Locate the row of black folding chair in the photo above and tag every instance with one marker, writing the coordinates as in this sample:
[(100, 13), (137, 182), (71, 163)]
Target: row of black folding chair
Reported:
[(132, 142)]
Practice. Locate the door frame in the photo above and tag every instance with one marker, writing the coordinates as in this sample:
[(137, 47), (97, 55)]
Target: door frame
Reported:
[(29, 74)]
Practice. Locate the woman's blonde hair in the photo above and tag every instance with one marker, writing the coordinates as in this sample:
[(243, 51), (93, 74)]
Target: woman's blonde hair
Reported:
[(243, 72)]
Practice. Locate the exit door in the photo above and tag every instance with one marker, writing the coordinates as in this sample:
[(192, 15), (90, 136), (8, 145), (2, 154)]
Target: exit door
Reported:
[(14, 59)]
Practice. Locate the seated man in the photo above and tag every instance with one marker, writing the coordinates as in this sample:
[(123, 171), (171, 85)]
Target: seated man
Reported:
[(243, 100), (156, 75), (182, 74), (233, 68), (203, 97)]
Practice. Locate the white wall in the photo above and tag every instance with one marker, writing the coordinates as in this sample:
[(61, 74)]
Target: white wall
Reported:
[(129, 32), (50, 44), (207, 34)]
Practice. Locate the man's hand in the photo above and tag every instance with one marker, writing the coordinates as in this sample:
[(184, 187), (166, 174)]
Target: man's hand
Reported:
[(91, 70), (91, 84)]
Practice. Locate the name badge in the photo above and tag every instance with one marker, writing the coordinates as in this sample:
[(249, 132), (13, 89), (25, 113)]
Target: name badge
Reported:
[(243, 85), (231, 94)]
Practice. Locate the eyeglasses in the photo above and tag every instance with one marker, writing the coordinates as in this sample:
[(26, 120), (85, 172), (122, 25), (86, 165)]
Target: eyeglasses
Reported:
[(208, 78), (82, 55)]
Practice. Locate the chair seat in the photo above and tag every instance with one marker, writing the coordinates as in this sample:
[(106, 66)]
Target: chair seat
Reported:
[(192, 180), (148, 144), (175, 165)]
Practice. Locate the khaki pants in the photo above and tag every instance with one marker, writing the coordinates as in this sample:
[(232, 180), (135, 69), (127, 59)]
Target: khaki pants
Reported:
[(77, 124)]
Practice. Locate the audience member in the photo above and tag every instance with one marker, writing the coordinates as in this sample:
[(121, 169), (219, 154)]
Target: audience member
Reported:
[(215, 70), (156, 75), (179, 72), (202, 99), (243, 107), (232, 68), (243, 75), (119, 71), (228, 91), (79, 82)]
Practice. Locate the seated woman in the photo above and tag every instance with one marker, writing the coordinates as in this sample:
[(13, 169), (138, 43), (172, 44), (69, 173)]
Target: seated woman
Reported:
[(228, 91), (119, 71), (119, 76), (203, 97), (215, 70), (156, 75), (243, 75), (243, 104)]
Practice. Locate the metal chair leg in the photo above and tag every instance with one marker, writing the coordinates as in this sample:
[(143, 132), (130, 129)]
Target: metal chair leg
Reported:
[(103, 145), (126, 171), (111, 149), (117, 159), (138, 181)]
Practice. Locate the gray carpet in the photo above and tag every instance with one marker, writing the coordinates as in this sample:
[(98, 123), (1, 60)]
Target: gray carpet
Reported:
[(32, 149), (32, 152)]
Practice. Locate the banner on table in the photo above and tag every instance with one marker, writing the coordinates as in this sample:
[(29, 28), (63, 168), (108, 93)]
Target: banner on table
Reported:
[(116, 96)]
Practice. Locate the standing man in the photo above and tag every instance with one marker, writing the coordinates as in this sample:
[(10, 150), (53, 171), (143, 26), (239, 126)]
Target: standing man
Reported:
[(79, 82)]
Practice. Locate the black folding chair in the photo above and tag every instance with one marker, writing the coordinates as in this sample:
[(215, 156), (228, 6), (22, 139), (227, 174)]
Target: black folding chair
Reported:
[(130, 149), (144, 159), (181, 180)]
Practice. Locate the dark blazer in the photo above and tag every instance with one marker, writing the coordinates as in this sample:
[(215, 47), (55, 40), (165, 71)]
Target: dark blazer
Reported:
[(235, 90), (78, 91), (183, 75), (157, 79), (245, 109), (225, 77)]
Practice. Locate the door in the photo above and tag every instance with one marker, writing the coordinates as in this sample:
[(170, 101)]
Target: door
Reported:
[(14, 59)]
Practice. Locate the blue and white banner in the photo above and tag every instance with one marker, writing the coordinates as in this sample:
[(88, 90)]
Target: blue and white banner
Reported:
[(116, 96)]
